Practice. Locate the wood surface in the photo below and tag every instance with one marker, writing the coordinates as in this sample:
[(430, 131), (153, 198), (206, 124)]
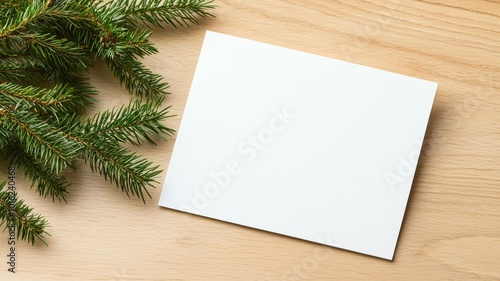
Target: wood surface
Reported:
[(451, 229)]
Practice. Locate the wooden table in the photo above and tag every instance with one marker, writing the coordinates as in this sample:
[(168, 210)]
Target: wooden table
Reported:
[(452, 226)]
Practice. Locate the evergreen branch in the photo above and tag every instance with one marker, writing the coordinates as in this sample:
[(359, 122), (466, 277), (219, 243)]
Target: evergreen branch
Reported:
[(5, 136), (28, 97), (58, 100), (130, 172), (71, 5), (108, 21), (30, 226), (58, 53), (133, 123), (9, 9), (12, 46), (84, 22), (135, 43), (136, 77), (159, 12), (72, 20), (49, 183), (18, 66), (109, 38), (20, 63), (22, 69), (84, 92), (70, 126), (130, 43), (31, 13), (40, 139)]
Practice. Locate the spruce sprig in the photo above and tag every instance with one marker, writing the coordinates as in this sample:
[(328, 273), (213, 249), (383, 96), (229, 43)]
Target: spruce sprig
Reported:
[(29, 226), (46, 48), (159, 12), (133, 123)]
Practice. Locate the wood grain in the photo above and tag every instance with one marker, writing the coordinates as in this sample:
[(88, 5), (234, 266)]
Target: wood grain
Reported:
[(452, 225)]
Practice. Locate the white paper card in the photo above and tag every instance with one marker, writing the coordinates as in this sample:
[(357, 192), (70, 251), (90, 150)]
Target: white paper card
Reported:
[(298, 144)]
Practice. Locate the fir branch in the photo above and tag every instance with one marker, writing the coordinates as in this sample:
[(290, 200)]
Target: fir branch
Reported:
[(5, 136), (133, 123), (135, 43), (40, 139), (69, 126), (30, 226), (130, 172), (72, 20), (131, 43), (33, 11), (9, 9), (21, 69), (11, 46), (159, 12), (48, 183), (84, 92), (58, 53), (47, 102), (110, 36), (109, 23), (101, 134), (136, 77)]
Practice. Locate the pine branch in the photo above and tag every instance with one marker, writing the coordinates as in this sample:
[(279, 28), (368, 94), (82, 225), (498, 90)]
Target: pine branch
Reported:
[(33, 11), (133, 123), (5, 136), (101, 135), (11, 46), (72, 20), (30, 226), (40, 139), (21, 69), (110, 37), (48, 183), (159, 12), (9, 9), (130, 172), (84, 92), (58, 53), (109, 24), (56, 101), (136, 77), (130, 43), (41, 54)]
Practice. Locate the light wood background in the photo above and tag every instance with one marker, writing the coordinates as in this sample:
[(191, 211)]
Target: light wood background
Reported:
[(452, 225)]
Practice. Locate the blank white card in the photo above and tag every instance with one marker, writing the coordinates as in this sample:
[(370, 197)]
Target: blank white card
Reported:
[(298, 144)]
